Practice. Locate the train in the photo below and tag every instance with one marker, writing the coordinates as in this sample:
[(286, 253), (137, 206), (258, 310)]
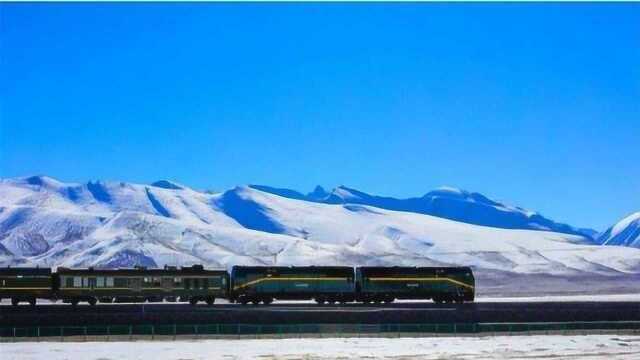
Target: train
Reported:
[(243, 284)]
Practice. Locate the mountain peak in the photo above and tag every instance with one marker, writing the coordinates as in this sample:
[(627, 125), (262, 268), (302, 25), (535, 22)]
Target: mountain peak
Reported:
[(318, 193), (626, 232), (166, 184), (41, 180)]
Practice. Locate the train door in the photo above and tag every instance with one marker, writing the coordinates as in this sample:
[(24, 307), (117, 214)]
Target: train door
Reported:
[(135, 284), (167, 284)]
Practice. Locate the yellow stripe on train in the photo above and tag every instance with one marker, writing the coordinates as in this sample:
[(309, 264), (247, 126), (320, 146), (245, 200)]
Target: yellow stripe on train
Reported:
[(422, 279), (253, 282)]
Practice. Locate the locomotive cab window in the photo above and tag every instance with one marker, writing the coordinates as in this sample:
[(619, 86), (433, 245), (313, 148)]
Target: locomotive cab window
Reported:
[(99, 282), (109, 282), (77, 281)]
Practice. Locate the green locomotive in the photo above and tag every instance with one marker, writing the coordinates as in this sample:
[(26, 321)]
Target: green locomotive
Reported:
[(442, 284), (257, 284)]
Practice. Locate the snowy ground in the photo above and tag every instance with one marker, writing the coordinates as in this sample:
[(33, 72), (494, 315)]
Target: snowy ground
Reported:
[(500, 347)]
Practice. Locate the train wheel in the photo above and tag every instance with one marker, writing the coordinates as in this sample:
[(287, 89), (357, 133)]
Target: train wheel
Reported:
[(320, 301), (211, 300), (15, 301), (32, 302), (255, 301), (267, 300), (92, 301), (74, 303), (193, 301), (243, 301)]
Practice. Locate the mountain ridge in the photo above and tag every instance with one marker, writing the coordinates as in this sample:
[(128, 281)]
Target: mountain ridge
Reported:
[(446, 202)]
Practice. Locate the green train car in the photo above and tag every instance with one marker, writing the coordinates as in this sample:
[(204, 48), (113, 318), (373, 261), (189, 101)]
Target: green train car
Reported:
[(26, 284), (192, 284), (257, 284), (442, 284)]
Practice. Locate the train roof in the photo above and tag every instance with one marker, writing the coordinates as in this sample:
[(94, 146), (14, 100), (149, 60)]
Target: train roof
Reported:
[(166, 271), (27, 271), (415, 268), (260, 267)]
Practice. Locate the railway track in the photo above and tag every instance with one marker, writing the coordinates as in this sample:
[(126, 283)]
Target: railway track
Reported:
[(300, 313)]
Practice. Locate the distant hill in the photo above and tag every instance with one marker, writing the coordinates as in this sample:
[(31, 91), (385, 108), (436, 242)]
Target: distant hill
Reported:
[(446, 202)]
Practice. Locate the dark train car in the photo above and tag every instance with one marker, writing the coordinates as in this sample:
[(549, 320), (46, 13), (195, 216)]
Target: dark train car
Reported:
[(26, 284), (190, 284), (442, 284), (257, 284)]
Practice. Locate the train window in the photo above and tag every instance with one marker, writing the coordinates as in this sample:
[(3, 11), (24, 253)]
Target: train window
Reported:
[(4, 282), (109, 282), (224, 281), (156, 281), (100, 282), (120, 282), (77, 281), (177, 281), (147, 280), (68, 282)]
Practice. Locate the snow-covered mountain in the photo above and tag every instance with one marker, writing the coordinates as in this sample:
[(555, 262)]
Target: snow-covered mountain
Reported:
[(115, 224), (446, 202), (625, 233)]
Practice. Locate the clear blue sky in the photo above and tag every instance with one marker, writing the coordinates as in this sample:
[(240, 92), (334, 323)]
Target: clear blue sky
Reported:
[(537, 105)]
